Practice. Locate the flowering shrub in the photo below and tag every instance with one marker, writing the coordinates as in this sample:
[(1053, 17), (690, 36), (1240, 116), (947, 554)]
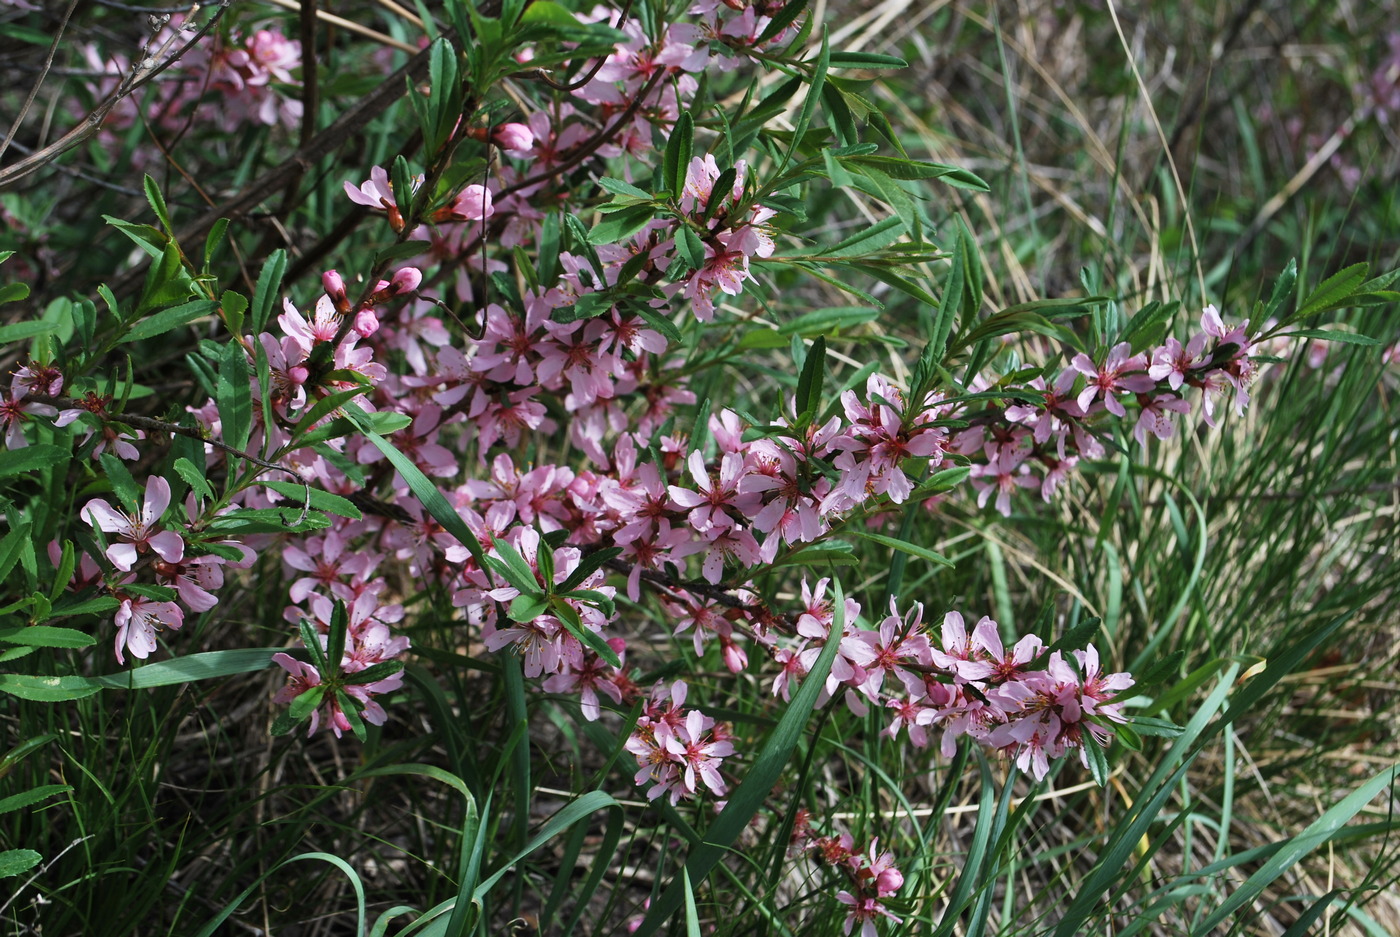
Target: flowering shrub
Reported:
[(507, 418)]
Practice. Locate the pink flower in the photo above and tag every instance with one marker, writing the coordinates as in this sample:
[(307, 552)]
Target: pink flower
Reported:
[(515, 138), (471, 204), (138, 619), (15, 412), (1119, 373), (137, 530)]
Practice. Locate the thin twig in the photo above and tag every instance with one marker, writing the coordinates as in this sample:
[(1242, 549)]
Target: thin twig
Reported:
[(140, 75), (38, 82), (351, 25)]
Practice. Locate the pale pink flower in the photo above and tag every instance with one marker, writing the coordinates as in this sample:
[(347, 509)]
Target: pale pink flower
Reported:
[(137, 530)]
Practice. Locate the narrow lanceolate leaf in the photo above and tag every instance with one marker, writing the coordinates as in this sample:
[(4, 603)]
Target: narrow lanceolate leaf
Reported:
[(169, 319), (809, 382), (904, 546), (46, 689), (747, 798), (235, 396), (514, 567), (30, 458), (319, 499), (675, 161), (46, 636), (209, 665), (424, 490), (268, 289), (1331, 293), (32, 796)]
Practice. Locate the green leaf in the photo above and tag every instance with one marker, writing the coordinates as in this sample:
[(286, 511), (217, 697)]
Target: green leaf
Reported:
[(208, 665), (587, 804), (588, 564), (872, 60), (19, 331), (675, 161), (266, 293), (659, 322), (1332, 293), (166, 281), (46, 689), (625, 189), (809, 104), (1283, 288), (909, 169), (320, 500), (93, 606), (690, 248), (169, 319), (567, 614), (759, 339), (123, 485), (194, 478), (809, 383), (424, 490), (217, 231), (903, 546), (288, 520), (1318, 833), (234, 396), (25, 798), (149, 239), (1333, 335), (527, 607), (822, 321), (46, 636), (18, 861), (747, 798), (157, 200), (30, 459), (621, 225), (784, 18), (233, 306), (514, 567)]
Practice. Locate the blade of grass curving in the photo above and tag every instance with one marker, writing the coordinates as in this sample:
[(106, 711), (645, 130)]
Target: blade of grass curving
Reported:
[(988, 809), (208, 930), (607, 847), (1303, 926), (1131, 827), (572, 813), (1317, 834), (746, 799), (1192, 740)]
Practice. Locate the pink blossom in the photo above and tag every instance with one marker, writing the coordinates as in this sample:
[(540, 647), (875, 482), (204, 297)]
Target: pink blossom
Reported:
[(138, 619), (137, 530)]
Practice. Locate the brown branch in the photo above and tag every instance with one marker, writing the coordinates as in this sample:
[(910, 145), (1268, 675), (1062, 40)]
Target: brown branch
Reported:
[(39, 82), (346, 128), (140, 75)]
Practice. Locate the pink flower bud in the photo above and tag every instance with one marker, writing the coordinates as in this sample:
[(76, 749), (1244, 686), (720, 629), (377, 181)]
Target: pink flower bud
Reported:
[(335, 289), (513, 137), (298, 374), (406, 280), (473, 203), (366, 323)]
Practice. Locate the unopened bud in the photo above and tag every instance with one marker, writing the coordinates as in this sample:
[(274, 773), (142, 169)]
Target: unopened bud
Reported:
[(366, 323), (513, 137), (406, 280), (335, 289)]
